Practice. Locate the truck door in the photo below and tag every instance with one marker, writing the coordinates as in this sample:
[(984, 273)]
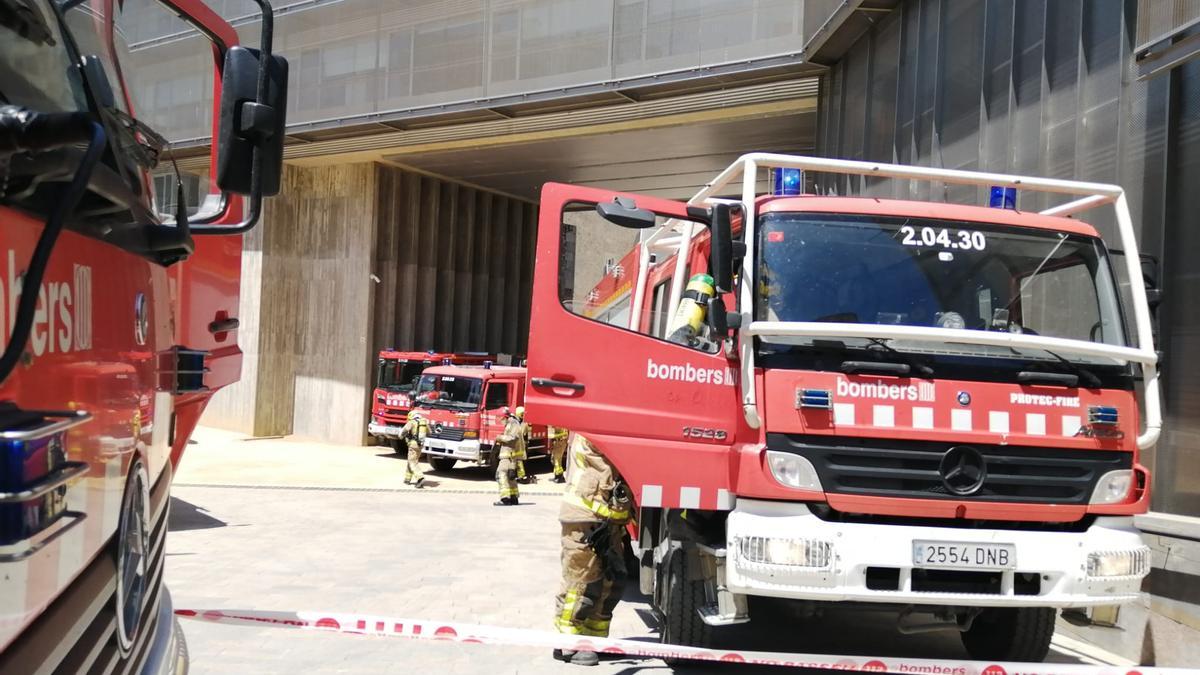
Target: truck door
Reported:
[(498, 395), (664, 413)]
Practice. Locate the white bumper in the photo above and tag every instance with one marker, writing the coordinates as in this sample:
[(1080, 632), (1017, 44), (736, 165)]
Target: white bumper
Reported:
[(1059, 559), (383, 430), (467, 450)]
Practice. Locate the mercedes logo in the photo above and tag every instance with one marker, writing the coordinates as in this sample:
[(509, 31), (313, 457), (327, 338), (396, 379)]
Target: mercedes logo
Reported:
[(963, 470), (133, 551)]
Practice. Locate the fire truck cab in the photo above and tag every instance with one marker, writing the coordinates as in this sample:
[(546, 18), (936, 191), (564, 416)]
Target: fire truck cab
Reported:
[(118, 319), (932, 407), (396, 377), (465, 407)]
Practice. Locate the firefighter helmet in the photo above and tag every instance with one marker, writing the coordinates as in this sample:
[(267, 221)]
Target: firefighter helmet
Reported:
[(520, 412)]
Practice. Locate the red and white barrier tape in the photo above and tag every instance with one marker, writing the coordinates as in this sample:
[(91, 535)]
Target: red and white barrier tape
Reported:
[(363, 624)]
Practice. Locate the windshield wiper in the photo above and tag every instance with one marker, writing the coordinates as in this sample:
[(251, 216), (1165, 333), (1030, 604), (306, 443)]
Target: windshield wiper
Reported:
[(1070, 380), (880, 367), (922, 369)]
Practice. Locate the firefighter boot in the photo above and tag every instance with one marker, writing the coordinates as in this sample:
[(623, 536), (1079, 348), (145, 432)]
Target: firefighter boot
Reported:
[(504, 501), (580, 658)]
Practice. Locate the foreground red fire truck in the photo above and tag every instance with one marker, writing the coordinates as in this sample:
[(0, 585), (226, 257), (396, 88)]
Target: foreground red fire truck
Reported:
[(933, 408), (396, 376), (465, 408), (119, 324)]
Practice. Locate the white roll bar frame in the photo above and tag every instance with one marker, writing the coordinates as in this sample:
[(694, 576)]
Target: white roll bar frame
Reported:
[(1091, 195)]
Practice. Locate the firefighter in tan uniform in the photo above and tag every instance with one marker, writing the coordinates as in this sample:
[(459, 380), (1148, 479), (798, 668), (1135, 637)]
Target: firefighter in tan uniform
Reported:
[(557, 437), (413, 433), (512, 449), (595, 508)]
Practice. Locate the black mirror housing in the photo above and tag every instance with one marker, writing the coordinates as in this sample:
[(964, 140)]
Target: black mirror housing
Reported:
[(249, 126), (624, 212), (722, 254)]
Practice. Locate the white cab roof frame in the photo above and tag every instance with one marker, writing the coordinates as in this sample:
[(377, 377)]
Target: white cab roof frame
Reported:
[(675, 237)]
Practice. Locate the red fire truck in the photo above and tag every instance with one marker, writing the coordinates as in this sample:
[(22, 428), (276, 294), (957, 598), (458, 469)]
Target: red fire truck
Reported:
[(396, 376), (465, 407), (118, 325), (923, 406)]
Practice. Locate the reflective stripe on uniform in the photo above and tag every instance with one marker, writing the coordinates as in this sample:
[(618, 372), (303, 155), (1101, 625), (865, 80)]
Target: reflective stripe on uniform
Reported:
[(566, 627), (569, 602), (596, 507), (509, 492), (594, 628)]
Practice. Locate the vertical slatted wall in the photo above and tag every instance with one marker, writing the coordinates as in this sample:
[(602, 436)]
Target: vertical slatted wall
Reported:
[(455, 266)]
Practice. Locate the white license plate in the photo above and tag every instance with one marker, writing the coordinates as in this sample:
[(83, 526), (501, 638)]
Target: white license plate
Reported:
[(964, 556)]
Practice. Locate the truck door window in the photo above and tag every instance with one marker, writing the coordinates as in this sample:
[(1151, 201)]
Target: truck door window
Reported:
[(497, 396), (658, 308), (34, 62), (166, 87), (598, 269)]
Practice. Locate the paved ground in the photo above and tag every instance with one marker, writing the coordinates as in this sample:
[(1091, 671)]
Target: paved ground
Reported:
[(287, 525)]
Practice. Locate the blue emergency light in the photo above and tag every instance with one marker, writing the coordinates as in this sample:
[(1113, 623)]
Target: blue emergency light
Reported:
[(1003, 197), (786, 182)]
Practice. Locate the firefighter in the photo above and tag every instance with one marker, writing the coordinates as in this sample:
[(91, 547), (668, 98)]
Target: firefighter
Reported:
[(522, 477), (413, 433), (595, 508), (512, 449), (557, 437)]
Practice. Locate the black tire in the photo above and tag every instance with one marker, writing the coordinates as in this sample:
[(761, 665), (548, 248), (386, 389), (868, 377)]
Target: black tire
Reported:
[(1011, 634), (398, 446), (442, 463), (681, 622)]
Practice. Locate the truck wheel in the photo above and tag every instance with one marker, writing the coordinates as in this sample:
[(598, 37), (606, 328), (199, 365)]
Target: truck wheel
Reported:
[(1011, 634), (398, 446), (442, 463), (681, 622)]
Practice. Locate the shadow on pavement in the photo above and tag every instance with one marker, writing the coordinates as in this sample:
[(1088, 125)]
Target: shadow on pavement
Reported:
[(187, 516), (777, 628)]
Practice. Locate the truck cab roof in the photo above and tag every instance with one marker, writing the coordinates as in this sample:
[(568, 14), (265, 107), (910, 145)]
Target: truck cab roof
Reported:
[(478, 372), (918, 209), (433, 356)]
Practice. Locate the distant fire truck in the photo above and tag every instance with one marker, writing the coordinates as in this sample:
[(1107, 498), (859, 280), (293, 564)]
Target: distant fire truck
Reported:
[(119, 323), (396, 376), (931, 407), (465, 408)]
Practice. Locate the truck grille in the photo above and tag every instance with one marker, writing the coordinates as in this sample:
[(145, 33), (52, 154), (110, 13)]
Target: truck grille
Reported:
[(447, 433), (77, 633), (895, 468)]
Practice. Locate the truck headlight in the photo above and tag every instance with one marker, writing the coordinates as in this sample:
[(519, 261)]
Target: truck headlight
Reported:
[(1112, 488), (794, 552), (793, 471), (471, 433), (1133, 563)]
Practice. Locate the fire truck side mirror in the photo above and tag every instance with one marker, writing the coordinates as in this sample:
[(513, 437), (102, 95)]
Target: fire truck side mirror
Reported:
[(721, 256), (624, 212), (1150, 275), (251, 129)]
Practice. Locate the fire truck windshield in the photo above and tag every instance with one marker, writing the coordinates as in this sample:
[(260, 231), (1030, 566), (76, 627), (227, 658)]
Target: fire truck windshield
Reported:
[(396, 375), (450, 391), (836, 268)]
